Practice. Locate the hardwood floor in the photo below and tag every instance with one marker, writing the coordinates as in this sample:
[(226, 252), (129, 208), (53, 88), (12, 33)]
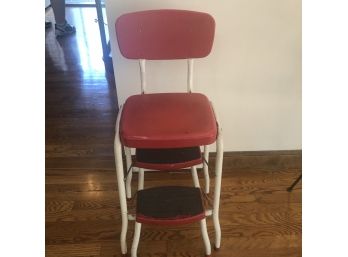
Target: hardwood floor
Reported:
[(258, 216)]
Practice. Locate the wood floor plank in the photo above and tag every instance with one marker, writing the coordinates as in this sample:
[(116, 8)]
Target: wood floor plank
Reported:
[(74, 150), (67, 176), (87, 163), (153, 249), (193, 232), (105, 120), (238, 246), (83, 195), (82, 136), (72, 232), (58, 207), (73, 250), (105, 214), (80, 187)]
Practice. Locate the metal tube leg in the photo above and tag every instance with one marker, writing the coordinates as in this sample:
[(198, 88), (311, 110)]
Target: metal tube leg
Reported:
[(122, 195), (121, 185), (123, 236), (128, 154), (195, 176), (217, 229), (205, 169), (137, 230), (141, 179), (205, 236), (218, 173)]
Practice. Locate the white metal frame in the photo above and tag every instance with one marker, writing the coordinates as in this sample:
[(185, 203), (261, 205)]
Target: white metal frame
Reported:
[(123, 202), (218, 177), (120, 184), (142, 65)]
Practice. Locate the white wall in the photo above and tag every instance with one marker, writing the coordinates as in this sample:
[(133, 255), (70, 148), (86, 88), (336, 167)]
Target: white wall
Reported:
[(253, 74)]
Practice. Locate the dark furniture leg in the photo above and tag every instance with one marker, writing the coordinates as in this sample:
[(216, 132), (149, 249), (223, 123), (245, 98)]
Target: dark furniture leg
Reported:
[(106, 47), (294, 184)]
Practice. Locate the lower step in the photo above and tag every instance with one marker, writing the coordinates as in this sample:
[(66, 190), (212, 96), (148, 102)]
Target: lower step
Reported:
[(171, 205)]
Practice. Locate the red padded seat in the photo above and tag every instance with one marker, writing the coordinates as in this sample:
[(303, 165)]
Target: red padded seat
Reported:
[(167, 120)]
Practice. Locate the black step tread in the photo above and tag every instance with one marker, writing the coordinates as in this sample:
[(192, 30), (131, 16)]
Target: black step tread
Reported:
[(170, 202), (172, 155)]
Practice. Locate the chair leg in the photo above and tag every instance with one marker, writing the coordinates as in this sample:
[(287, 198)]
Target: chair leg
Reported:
[(217, 229), (123, 236), (205, 169), (121, 185), (195, 176), (137, 230), (290, 188), (128, 154), (217, 189), (141, 179), (205, 236)]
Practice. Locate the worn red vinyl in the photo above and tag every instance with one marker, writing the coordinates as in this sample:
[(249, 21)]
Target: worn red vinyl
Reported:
[(167, 120), (169, 222), (165, 34)]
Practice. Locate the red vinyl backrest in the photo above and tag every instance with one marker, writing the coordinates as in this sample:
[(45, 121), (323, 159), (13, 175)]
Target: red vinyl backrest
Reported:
[(165, 34)]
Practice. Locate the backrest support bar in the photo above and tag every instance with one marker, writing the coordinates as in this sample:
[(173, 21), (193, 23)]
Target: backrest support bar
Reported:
[(142, 63), (189, 75)]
